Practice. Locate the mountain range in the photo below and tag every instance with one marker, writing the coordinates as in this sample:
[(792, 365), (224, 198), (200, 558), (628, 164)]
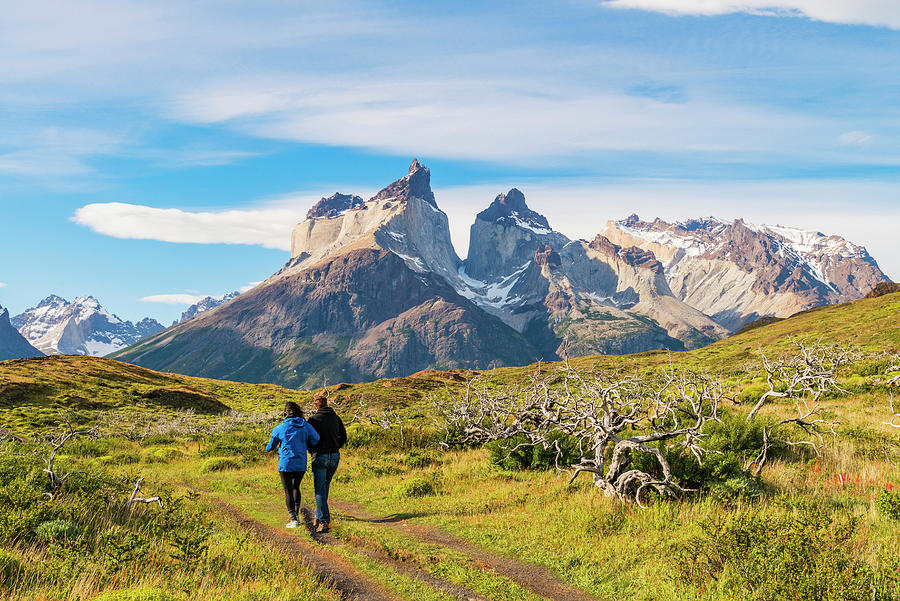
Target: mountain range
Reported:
[(375, 289), (81, 327)]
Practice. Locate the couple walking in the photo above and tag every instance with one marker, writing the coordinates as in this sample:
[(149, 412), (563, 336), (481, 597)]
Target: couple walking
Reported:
[(323, 435)]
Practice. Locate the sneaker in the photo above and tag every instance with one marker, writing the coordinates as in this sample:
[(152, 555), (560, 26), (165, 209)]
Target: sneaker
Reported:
[(292, 524), (322, 527)]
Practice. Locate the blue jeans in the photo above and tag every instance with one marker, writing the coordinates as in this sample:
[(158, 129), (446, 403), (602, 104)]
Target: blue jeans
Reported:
[(323, 468)]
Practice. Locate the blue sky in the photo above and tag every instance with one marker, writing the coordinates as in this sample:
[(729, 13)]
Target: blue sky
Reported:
[(237, 116)]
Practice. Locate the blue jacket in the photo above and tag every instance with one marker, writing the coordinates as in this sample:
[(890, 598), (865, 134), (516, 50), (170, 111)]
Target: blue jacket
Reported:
[(293, 435)]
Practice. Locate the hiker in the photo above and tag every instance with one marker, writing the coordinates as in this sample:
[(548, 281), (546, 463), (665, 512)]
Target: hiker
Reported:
[(325, 456), (292, 437)]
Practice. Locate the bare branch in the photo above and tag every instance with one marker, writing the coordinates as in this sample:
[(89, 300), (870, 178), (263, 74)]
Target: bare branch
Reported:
[(135, 499)]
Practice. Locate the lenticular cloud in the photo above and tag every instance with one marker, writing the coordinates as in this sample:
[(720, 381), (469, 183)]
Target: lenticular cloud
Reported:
[(268, 227)]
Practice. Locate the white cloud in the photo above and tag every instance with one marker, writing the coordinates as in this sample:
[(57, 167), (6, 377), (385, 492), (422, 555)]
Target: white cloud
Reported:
[(268, 226), (172, 299), (884, 13), (249, 286), (3, 284)]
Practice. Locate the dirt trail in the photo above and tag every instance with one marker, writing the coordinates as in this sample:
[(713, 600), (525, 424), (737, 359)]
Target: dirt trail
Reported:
[(328, 566), (535, 578), (408, 569)]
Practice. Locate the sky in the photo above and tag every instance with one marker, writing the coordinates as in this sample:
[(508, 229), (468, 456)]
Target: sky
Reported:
[(154, 153)]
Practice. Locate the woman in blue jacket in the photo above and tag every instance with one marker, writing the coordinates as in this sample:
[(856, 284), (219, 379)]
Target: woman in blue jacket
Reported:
[(292, 437)]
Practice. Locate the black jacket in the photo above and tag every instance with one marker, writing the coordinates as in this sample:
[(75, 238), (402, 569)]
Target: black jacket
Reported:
[(332, 434)]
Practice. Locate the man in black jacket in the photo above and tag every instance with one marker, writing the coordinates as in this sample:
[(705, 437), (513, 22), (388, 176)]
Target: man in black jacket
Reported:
[(325, 456)]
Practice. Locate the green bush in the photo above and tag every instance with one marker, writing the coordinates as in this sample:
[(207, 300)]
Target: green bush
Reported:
[(889, 504), (138, 594), (419, 458), (85, 447), (415, 487), (218, 464), (805, 554), (737, 487), (164, 455), (502, 453), (58, 529)]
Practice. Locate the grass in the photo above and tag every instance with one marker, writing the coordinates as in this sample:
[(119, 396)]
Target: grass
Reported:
[(62, 549)]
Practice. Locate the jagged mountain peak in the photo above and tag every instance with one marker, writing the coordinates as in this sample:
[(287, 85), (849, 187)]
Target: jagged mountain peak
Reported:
[(511, 209), (415, 184), (335, 205)]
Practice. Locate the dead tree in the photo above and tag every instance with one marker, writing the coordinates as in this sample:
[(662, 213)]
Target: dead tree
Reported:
[(894, 414), (56, 481), (135, 499), (808, 374), (610, 419), (802, 378)]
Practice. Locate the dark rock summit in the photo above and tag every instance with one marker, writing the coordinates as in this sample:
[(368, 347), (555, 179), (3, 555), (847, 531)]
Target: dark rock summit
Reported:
[(510, 208), (334, 205), (416, 183)]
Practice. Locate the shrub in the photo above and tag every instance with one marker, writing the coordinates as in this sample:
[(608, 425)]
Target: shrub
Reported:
[(419, 458), (415, 487), (533, 458), (218, 464), (165, 455), (737, 487), (58, 529), (889, 504), (807, 554)]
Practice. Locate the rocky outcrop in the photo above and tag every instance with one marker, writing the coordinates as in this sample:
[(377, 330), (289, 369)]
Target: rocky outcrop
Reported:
[(82, 327), (335, 205), (12, 344), (882, 289), (736, 272)]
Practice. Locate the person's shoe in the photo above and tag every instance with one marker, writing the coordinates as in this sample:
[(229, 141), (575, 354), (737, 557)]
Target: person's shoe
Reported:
[(322, 527), (292, 524)]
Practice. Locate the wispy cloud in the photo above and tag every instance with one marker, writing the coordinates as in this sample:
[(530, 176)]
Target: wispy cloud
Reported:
[(173, 299), (3, 284), (858, 12), (489, 119)]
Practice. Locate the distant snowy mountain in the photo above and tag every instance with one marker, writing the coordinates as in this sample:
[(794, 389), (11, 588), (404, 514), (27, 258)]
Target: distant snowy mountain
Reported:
[(12, 344), (736, 272), (205, 304), (82, 327)]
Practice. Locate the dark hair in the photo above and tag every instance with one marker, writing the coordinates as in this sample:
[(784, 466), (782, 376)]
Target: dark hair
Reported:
[(292, 409), (320, 401)]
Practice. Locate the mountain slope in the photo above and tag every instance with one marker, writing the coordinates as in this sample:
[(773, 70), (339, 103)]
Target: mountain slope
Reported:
[(12, 344), (56, 326), (362, 297), (736, 272)]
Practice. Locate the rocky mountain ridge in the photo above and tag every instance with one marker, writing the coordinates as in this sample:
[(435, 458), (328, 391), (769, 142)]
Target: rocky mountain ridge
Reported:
[(375, 289), (81, 327), (736, 272), (205, 304), (12, 344)]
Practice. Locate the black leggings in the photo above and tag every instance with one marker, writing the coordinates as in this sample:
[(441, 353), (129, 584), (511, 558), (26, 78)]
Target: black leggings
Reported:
[(291, 483)]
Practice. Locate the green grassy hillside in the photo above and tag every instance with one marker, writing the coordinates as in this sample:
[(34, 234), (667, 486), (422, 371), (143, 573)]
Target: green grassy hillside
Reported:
[(32, 391)]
